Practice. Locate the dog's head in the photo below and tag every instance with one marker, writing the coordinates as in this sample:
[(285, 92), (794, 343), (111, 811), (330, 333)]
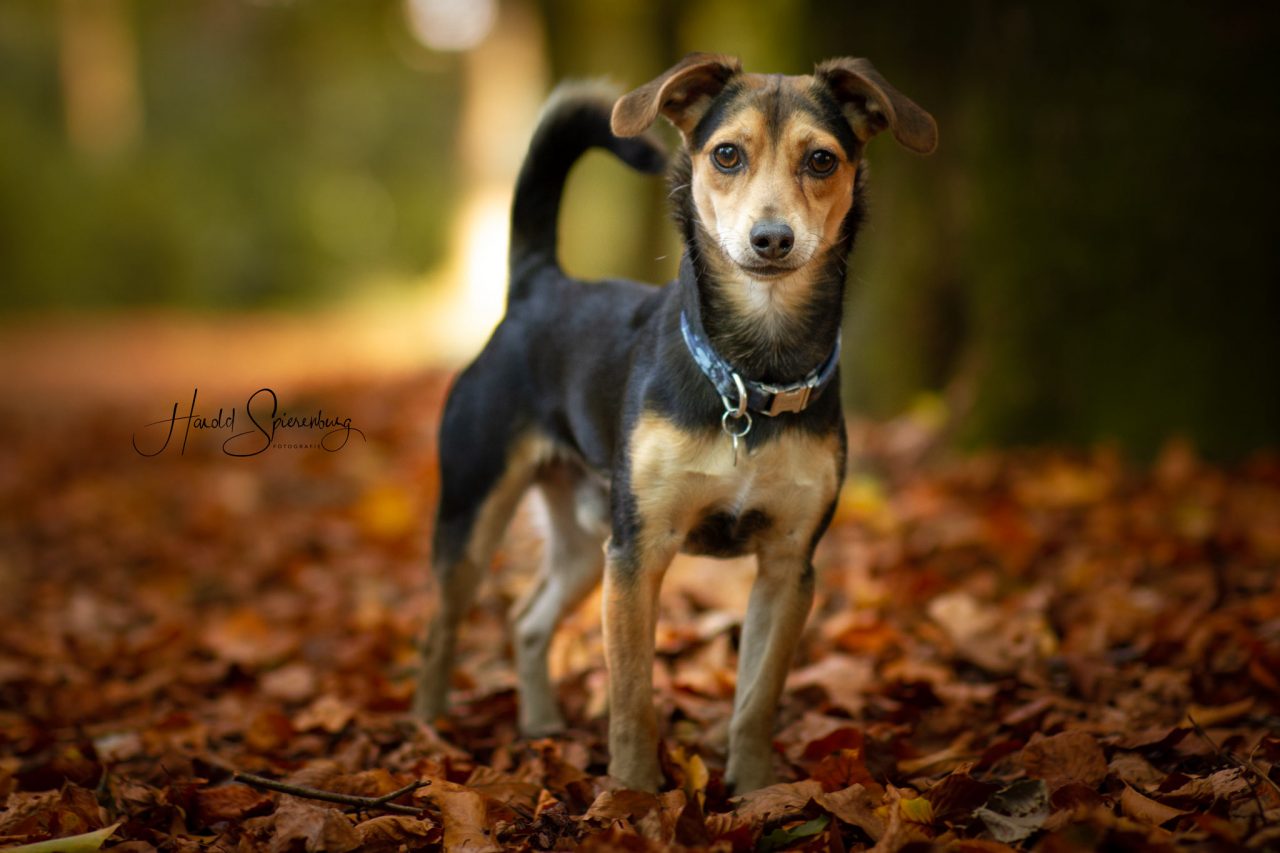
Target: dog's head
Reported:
[(773, 159)]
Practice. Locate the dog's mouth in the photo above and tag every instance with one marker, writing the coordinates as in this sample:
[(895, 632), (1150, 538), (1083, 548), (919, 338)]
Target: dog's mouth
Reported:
[(767, 271)]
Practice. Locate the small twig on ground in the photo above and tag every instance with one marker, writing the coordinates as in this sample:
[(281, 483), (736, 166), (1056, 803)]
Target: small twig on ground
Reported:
[(1246, 763), (384, 802)]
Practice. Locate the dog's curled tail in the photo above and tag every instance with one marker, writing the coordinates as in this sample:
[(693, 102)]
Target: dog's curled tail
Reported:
[(575, 118)]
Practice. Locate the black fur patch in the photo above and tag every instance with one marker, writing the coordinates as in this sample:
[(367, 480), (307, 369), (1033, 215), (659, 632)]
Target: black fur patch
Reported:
[(723, 534), (726, 105)]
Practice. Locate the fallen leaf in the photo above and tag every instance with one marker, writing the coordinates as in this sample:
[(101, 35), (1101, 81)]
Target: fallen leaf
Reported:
[(294, 682), (230, 803), (843, 678), (390, 833), (314, 828), (622, 804), (1207, 716), (1216, 786), (815, 736), (898, 831), (843, 768), (694, 772), (1070, 756), (856, 806), (328, 713), (1014, 813), (84, 843), (1133, 768), (782, 838), (955, 753), (956, 796), (466, 821), (387, 511), (786, 799), (1145, 809), (916, 810), (244, 636)]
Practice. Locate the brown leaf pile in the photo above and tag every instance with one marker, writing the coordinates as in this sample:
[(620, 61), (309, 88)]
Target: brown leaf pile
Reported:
[(1033, 650)]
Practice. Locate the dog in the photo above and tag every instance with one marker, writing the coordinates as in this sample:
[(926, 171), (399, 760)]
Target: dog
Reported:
[(703, 416)]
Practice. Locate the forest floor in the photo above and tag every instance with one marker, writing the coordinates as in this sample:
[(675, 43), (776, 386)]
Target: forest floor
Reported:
[(1038, 649)]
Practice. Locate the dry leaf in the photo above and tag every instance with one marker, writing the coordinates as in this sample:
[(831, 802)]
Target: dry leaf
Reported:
[(856, 806), (466, 821), (301, 825), (1145, 809), (787, 799), (1071, 756), (622, 804), (84, 843), (328, 713), (1216, 786), (391, 833), (230, 803), (1016, 812), (154, 638)]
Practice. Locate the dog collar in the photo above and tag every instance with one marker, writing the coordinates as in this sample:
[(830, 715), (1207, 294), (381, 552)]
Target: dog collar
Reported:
[(771, 400)]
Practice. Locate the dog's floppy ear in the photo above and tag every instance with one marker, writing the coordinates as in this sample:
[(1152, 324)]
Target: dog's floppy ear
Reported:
[(682, 93), (871, 104)]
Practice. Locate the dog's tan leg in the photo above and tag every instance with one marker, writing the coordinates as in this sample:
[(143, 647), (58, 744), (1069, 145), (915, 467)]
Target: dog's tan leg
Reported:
[(570, 571), (776, 613), (630, 616)]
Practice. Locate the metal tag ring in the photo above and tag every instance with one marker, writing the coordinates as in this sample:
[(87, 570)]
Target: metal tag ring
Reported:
[(728, 430)]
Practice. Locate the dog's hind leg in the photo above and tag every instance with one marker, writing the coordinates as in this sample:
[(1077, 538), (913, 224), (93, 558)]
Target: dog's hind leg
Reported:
[(481, 485), (572, 564)]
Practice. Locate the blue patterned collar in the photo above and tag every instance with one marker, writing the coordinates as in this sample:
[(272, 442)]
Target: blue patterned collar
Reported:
[(771, 400)]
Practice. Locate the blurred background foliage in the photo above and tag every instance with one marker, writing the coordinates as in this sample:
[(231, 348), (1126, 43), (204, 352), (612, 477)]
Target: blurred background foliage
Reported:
[(1091, 255)]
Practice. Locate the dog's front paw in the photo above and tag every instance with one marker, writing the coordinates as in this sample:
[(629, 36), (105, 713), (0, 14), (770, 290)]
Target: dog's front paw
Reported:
[(749, 773), (637, 775)]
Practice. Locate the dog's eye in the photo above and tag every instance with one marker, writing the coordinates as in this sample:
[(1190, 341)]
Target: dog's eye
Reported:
[(726, 157), (822, 162)]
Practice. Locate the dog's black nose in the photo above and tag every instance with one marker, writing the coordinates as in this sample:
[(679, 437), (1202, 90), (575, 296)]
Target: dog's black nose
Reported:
[(772, 239)]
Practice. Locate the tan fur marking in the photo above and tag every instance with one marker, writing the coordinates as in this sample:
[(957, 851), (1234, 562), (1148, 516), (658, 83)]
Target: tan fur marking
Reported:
[(773, 185), (525, 456), (779, 605), (629, 619), (677, 476)]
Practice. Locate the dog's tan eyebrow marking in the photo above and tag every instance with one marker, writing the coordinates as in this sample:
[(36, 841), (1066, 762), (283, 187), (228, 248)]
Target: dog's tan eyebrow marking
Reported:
[(777, 98)]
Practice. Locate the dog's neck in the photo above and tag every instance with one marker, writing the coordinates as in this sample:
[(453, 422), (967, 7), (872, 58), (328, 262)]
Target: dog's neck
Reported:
[(774, 331)]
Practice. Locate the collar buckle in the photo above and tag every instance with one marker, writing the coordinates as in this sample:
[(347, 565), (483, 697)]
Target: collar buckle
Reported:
[(790, 400)]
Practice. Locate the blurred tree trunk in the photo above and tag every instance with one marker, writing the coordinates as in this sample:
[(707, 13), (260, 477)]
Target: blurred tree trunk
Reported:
[(99, 76), (1095, 238)]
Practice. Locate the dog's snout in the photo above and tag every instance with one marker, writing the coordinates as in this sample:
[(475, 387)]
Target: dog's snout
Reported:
[(772, 239)]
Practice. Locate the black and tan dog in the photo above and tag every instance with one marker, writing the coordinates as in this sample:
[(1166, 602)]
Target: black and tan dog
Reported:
[(702, 417)]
